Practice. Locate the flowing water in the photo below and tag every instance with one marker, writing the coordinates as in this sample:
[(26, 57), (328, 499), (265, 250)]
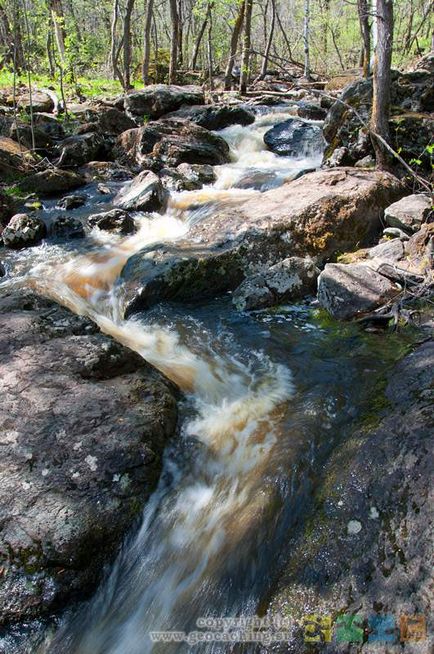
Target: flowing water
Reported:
[(265, 397)]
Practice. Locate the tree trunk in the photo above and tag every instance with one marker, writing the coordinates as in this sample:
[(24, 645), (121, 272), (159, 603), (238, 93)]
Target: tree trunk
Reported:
[(234, 46), (6, 38), (174, 45), (198, 42), (306, 30), (127, 44), (269, 41), (147, 42), (382, 76), (113, 47), (58, 18), (363, 11), (210, 57), (245, 63)]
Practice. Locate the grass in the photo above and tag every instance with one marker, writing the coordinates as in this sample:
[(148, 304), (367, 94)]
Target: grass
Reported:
[(89, 86)]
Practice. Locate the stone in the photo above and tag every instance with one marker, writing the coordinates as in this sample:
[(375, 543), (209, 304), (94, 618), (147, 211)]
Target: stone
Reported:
[(39, 102), (83, 425), (318, 215), (290, 279), (349, 291), (187, 177), (410, 212), (158, 99), (116, 220), (66, 227), (394, 232), (294, 138), (144, 193), (390, 250), (71, 202), (110, 120), (215, 117), (80, 149), (106, 171), (14, 158), (52, 181), (22, 231), (310, 110), (385, 568), (365, 162), (168, 143), (6, 210), (49, 124), (23, 134)]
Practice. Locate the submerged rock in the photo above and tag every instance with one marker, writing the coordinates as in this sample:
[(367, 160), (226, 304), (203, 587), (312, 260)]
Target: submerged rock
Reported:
[(365, 548), (318, 215), (22, 231), (72, 202), (294, 138), (144, 193), (158, 99), (116, 220), (410, 212), (66, 227), (168, 143), (83, 425), (289, 279), (187, 177)]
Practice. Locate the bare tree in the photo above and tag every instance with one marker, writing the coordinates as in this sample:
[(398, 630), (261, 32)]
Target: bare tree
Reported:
[(382, 77), (127, 44), (173, 66), (114, 50), (306, 37), (147, 41), (245, 63), (363, 11), (58, 19), (234, 45), (269, 41)]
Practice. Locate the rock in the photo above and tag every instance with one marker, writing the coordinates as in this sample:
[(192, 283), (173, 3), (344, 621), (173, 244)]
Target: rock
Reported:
[(6, 210), (144, 193), (319, 215), (116, 220), (310, 111), (289, 279), (379, 476), (111, 121), (168, 143), (158, 99), (83, 425), (39, 102), (66, 227), (52, 181), (106, 171), (409, 213), (365, 162), (71, 202), (394, 232), (294, 138), (49, 124), (351, 290), (419, 249), (215, 116), (23, 231), (187, 177), (14, 158), (410, 130), (78, 150), (388, 250), (23, 134)]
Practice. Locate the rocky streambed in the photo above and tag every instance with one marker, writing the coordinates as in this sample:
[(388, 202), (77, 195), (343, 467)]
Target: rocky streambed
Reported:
[(165, 234)]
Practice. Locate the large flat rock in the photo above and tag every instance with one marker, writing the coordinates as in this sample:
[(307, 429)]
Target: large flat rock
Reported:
[(83, 424), (320, 214)]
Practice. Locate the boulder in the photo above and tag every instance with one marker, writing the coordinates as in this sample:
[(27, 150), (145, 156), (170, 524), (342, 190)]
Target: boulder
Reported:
[(310, 110), (144, 193), (110, 120), (83, 425), (39, 101), (215, 116), (410, 212), (294, 138), (168, 143), (187, 177), (116, 220), (6, 210), (14, 158), (351, 290), (71, 202), (105, 171), (52, 181), (66, 227), (364, 548), (290, 279), (158, 99), (390, 250), (49, 124), (22, 231), (319, 215), (80, 149), (22, 133)]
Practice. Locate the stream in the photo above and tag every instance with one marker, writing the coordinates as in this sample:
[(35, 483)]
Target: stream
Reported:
[(267, 396)]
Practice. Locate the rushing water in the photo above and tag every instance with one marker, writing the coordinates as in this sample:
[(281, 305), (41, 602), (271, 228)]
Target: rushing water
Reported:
[(265, 397)]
